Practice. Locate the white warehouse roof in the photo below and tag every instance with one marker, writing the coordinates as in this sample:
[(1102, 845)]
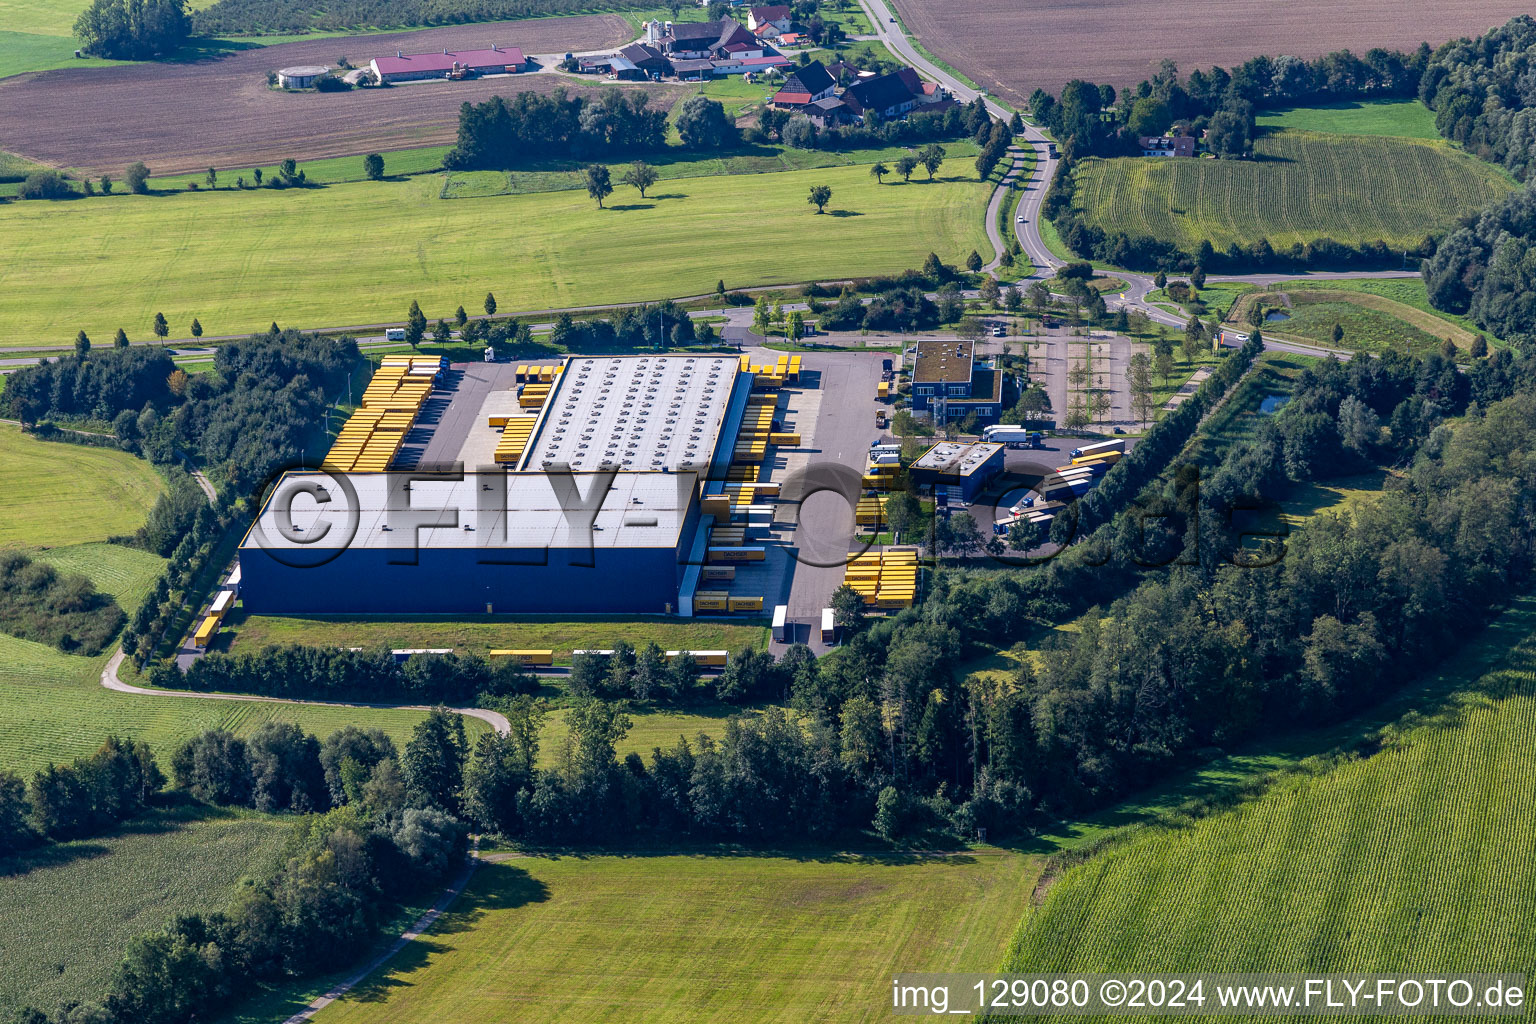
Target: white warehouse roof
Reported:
[(635, 414)]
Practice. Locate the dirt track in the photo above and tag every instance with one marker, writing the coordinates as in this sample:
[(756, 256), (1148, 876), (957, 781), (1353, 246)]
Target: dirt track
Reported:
[(1013, 47), (180, 118)]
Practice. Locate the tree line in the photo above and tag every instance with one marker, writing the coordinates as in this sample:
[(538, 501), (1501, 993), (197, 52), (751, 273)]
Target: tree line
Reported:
[(328, 673), (1482, 100), (86, 797), (506, 132), (284, 17)]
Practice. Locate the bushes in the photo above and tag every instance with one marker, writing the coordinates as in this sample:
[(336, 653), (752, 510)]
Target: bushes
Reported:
[(36, 603), (105, 383), (83, 798), (45, 185)]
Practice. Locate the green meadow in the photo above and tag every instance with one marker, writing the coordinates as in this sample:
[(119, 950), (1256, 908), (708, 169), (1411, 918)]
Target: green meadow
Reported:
[(359, 252)]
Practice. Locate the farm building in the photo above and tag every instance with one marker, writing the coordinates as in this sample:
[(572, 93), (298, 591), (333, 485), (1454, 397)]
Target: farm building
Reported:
[(600, 509), (949, 383), (696, 40), (408, 67), (302, 77), (964, 470)]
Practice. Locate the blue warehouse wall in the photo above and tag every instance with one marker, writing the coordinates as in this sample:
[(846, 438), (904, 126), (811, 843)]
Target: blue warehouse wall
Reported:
[(460, 581)]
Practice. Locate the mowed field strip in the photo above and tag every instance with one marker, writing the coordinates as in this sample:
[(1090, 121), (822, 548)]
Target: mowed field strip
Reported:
[(1301, 186), (360, 252), (183, 117), (731, 939), (1417, 857), (53, 494), (1016, 48)]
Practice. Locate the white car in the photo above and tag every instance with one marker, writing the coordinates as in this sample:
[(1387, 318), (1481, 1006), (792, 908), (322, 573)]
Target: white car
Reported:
[(1021, 218)]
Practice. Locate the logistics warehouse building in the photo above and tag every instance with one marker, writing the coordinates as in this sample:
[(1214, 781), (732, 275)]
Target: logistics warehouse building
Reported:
[(601, 513)]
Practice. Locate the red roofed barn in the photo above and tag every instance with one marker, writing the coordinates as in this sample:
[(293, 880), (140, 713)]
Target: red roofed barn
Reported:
[(406, 67)]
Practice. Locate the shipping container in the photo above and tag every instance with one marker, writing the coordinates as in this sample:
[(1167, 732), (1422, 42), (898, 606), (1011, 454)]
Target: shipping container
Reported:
[(745, 604), (541, 659), (1099, 448), (205, 631)]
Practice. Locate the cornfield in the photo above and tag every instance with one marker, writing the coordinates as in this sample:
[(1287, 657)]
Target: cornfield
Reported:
[(1300, 186), (1417, 858)]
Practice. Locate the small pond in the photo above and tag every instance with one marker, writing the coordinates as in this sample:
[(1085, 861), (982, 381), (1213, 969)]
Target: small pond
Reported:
[(1273, 403), (1276, 316)]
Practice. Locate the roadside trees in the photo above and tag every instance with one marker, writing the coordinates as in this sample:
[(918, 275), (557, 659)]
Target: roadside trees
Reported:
[(415, 325), (160, 327), (490, 304)]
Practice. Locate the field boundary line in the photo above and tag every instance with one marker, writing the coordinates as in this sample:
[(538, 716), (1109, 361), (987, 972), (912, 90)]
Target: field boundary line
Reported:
[(411, 934), (110, 680)]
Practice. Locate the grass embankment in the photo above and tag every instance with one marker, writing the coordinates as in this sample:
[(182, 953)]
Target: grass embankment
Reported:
[(1370, 322), (54, 494), (1301, 185), (1415, 856), (71, 909), (222, 256), (479, 634), (748, 938)]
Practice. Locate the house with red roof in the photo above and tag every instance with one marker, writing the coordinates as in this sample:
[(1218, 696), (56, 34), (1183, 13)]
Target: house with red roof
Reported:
[(408, 67)]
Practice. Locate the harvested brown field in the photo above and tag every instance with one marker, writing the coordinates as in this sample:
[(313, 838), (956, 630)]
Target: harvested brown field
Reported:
[(180, 118), (1015, 46)]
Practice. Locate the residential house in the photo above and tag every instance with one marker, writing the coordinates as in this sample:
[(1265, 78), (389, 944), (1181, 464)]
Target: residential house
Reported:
[(777, 15), (888, 96), (1167, 145), (804, 87), (948, 381)]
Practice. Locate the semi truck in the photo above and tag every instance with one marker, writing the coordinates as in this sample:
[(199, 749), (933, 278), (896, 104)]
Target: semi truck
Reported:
[(1099, 449), (1013, 435), (781, 624)]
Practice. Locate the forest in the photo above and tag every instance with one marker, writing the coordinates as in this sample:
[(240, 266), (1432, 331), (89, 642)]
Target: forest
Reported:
[(1484, 99), (254, 415)]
